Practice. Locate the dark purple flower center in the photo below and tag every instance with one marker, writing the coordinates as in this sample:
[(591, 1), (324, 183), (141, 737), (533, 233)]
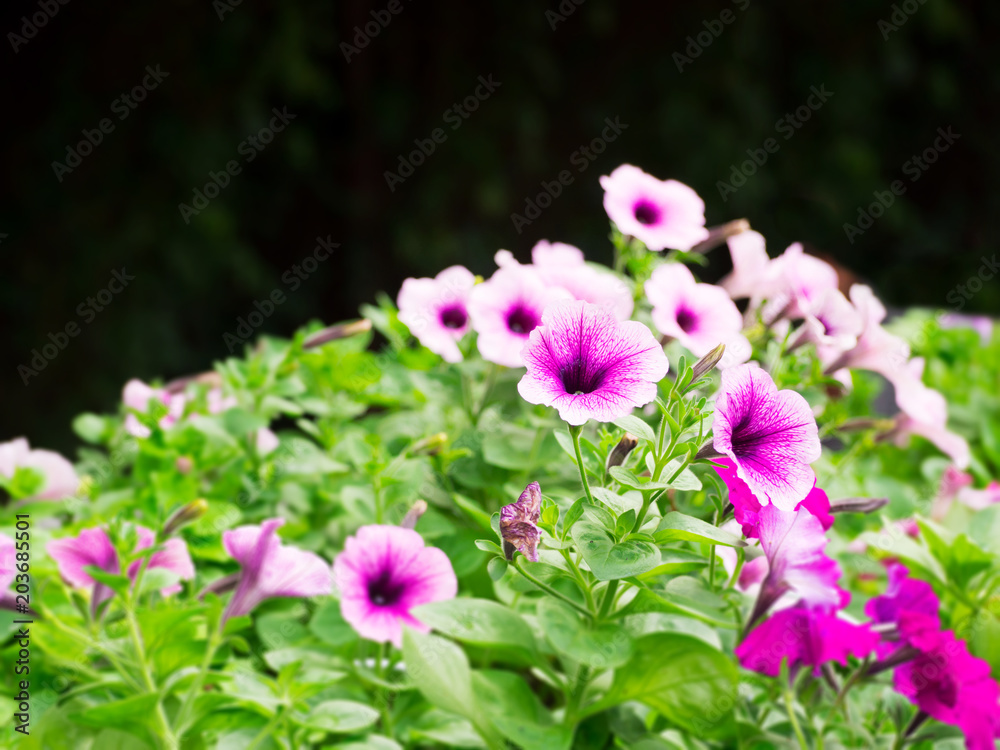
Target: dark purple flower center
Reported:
[(826, 326), (577, 378), (686, 319), (646, 212), (454, 317), (521, 320), (383, 591)]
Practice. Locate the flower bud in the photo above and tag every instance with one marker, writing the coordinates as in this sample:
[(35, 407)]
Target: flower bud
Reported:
[(620, 452), (185, 515), (858, 504), (332, 333), (430, 445), (707, 363), (413, 515), (183, 464)]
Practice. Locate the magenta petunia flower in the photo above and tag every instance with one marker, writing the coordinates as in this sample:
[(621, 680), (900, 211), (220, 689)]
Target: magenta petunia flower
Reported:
[(770, 435), (700, 316), (383, 573), (519, 523), (806, 637), (588, 365), (506, 309), (270, 569), (59, 478), (751, 267), (93, 547), (904, 597), (746, 506), (662, 214), (435, 310)]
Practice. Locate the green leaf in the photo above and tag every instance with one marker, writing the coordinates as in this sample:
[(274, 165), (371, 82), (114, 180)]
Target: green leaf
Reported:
[(480, 622), (90, 427), (601, 646), (496, 568), (515, 710), (676, 525), (329, 625), (682, 677), (632, 424), (628, 479), (489, 546), (609, 560), (117, 583), (341, 716), (631, 500), (129, 714)]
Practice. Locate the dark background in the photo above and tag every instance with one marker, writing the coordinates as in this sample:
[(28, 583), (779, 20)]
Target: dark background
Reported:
[(324, 174)]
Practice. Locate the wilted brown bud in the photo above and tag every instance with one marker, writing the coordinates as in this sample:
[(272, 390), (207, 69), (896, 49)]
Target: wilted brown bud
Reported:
[(620, 452), (707, 363), (858, 504), (184, 515), (413, 515), (332, 333)]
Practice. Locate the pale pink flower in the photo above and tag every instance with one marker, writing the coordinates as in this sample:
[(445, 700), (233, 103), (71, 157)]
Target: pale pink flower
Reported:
[(751, 266), (59, 478), (877, 349), (832, 325), (138, 395), (796, 283), (980, 499), (924, 412), (435, 310), (8, 563)]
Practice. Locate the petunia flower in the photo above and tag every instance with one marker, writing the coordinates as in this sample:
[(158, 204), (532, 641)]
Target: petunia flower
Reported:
[(832, 325), (700, 316), (924, 412), (93, 547), (138, 395), (770, 435), (796, 283), (751, 267), (519, 523), (876, 350), (506, 309), (270, 569), (435, 310), (59, 478), (8, 564), (562, 265), (383, 573), (662, 214), (589, 365), (980, 499), (798, 568), (805, 636)]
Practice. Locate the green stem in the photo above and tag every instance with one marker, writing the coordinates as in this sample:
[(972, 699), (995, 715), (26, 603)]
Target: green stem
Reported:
[(579, 579), (383, 695), (789, 700), (214, 641), (266, 731), (575, 697), (491, 377), (519, 564), (609, 598), (574, 431), (166, 736)]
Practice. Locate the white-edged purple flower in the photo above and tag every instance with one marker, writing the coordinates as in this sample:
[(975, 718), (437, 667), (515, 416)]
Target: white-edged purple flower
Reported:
[(137, 395), (700, 316), (59, 478), (270, 569), (770, 435), (435, 310), (589, 365), (506, 309), (519, 523), (660, 213), (383, 573)]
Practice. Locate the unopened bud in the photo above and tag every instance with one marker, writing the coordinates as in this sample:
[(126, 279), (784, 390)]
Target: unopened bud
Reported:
[(413, 515), (184, 464), (430, 445), (718, 235), (708, 451), (332, 333), (185, 515), (221, 585), (620, 452), (858, 504), (707, 363)]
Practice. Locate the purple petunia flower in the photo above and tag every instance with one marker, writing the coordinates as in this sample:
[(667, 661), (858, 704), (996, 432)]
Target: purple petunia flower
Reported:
[(385, 571), (806, 637), (93, 547), (506, 309), (662, 214), (270, 569), (59, 478), (770, 435), (435, 310), (519, 523), (588, 365), (700, 316)]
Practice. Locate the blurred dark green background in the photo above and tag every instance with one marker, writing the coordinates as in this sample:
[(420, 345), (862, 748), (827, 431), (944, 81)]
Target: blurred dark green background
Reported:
[(323, 175)]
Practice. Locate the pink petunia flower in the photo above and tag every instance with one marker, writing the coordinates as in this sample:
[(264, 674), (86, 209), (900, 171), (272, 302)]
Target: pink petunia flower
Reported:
[(589, 365), (796, 283), (384, 572), (662, 214), (700, 316), (980, 499), (981, 324), (8, 567), (506, 309), (59, 478), (138, 395), (562, 265), (270, 569), (751, 267), (924, 412), (876, 349), (832, 325), (435, 310), (93, 547), (519, 523), (805, 636), (770, 435)]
